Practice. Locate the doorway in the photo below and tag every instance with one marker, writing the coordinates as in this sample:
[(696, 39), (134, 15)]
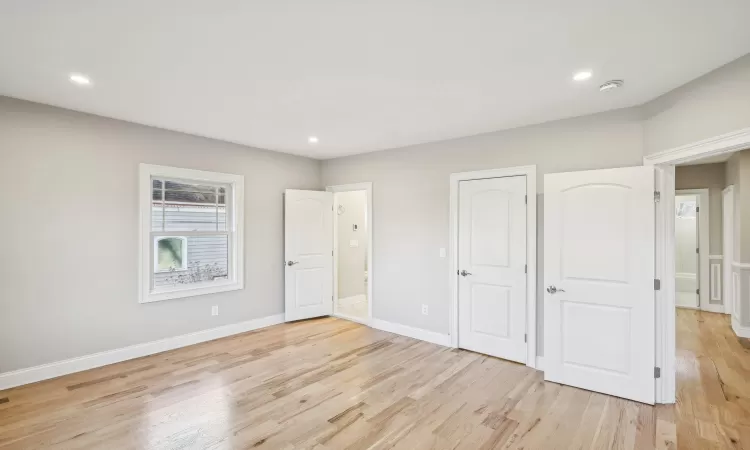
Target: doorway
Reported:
[(352, 252), (691, 231), (493, 267)]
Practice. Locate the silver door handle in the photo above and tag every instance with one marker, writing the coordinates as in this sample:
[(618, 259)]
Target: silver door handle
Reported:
[(464, 273), (291, 263), (553, 289)]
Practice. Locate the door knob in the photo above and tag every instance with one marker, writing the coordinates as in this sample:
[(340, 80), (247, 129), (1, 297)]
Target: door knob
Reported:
[(291, 263), (553, 289), (464, 273)]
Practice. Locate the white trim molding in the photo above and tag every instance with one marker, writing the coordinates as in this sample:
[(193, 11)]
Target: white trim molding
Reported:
[(540, 363), (740, 265), (367, 187), (715, 256), (717, 145), (739, 330), (92, 361), (716, 284), (415, 333), (531, 235)]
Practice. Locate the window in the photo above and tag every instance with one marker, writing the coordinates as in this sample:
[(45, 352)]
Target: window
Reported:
[(191, 232)]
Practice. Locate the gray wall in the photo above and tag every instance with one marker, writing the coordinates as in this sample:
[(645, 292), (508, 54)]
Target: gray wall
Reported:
[(352, 260), (714, 104), (411, 190), (69, 193)]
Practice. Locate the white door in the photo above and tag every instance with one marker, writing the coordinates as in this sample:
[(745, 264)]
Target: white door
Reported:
[(308, 249), (599, 253), (491, 262)]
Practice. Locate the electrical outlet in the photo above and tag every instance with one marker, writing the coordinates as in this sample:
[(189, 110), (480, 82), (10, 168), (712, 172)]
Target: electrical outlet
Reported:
[(425, 311), (215, 310)]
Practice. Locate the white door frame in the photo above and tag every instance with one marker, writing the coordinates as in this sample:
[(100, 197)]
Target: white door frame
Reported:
[(727, 246), (367, 187), (704, 282), (531, 236), (665, 309)]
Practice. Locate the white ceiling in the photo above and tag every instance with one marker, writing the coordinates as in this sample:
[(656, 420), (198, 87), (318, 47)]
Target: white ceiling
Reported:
[(360, 75)]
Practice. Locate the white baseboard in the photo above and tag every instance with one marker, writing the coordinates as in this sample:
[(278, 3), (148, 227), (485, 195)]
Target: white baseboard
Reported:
[(540, 363), (739, 330), (68, 366), (416, 333)]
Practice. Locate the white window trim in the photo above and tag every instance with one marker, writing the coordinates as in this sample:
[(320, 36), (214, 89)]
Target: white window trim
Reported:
[(235, 227)]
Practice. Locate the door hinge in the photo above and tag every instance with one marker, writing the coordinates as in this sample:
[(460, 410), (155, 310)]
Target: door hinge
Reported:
[(525, 338), (697, 250), (525, 268), (657, 284), (697, 209), (526, 199), (657, 372), (698, 291), (657, 196)]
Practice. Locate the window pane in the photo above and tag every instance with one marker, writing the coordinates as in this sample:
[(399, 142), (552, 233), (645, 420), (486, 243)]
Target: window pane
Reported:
[(170, 254), (206, 260), (188, 206)]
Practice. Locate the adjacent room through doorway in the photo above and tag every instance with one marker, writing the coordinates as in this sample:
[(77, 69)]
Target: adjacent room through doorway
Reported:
[(351, 248), (687, 250)]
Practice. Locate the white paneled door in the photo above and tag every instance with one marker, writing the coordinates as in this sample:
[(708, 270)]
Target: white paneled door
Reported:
[(491, 267), (599, 329), (308, 248)]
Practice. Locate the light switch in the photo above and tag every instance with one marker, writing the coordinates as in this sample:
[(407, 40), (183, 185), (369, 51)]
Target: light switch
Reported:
[(354, 243), (442, 253)]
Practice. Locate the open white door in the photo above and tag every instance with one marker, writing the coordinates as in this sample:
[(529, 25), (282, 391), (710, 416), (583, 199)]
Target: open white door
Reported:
[(308, 249), (599, 252)]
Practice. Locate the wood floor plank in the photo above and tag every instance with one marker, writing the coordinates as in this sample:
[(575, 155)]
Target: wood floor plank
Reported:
[(332, 384)]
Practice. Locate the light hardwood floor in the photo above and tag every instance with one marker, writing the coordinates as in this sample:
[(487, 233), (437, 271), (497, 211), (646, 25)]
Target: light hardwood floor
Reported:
[(332, 384)]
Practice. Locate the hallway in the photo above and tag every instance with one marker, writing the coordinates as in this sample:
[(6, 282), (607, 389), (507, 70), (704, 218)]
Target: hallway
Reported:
[(713, 382)]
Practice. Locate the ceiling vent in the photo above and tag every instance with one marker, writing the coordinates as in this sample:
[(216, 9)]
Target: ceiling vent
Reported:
[(611, 84)]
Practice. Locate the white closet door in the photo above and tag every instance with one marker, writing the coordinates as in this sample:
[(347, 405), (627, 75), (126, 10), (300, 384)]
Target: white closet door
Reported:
[(492, 261)]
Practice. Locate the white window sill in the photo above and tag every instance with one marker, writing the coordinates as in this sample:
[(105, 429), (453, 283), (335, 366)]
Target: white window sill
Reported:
[(170, 292)]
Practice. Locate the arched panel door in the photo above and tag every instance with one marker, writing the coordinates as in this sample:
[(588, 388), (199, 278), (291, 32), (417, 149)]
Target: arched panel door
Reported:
[(308, 250), (599, 247)]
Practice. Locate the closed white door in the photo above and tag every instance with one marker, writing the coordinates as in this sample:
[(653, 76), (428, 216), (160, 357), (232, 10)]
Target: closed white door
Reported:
[(492, 267), (308, 249), (599, 254)]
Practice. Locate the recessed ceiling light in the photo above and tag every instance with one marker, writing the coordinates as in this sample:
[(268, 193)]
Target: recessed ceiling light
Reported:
[(611, 84), (582, 75), (79, 79), (312, 140)]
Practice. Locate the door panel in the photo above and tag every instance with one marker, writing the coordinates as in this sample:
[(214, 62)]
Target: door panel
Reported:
[(599, 269), (492, 249), (308, 246)]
